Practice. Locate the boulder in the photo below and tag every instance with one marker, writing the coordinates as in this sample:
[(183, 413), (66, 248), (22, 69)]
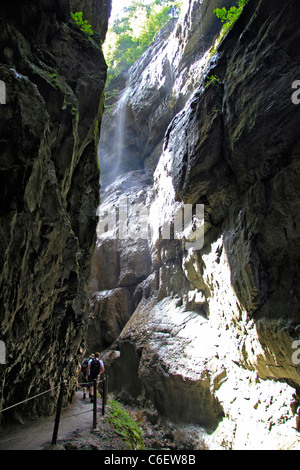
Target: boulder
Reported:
[(111, 311)]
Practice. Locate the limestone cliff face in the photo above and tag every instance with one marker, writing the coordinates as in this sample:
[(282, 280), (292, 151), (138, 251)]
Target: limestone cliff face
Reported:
[(119, 264), (49, 131), (211, 341), (95, 12), (136, 118), (142, 102)]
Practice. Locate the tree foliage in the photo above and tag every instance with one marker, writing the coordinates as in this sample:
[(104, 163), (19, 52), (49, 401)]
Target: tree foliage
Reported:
[(129, 36), (228, 17), (83, 24)]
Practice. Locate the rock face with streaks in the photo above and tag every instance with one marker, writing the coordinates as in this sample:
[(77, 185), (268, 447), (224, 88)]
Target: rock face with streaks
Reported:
[(211, 340), (136, 117), (119, 264), (142, 102), (49, 131)]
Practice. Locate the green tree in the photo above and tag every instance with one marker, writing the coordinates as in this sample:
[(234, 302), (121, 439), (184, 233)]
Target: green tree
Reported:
[(228, 17), (130, 35)]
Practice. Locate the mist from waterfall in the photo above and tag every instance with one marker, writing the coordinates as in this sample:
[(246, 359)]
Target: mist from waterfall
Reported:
[(119, 134), (112, 154)]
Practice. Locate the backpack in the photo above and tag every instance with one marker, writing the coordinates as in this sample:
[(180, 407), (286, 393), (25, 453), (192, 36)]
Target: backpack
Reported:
[(95, 368)]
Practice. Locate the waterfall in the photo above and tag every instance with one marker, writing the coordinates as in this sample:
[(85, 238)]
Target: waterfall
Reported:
[(112, 144), (119, 134)]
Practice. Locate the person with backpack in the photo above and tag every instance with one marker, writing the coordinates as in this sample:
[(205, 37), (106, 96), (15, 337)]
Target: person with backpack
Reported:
[(95, 367), (83, 371)]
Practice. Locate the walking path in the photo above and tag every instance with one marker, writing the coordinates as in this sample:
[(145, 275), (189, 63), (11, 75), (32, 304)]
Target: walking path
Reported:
[(36, 435)]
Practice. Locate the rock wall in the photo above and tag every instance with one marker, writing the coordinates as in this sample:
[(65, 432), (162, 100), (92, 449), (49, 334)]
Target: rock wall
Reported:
[(95, 13), (49, 132), (211, 341), (141, 102), (138, 110), (119, 264)]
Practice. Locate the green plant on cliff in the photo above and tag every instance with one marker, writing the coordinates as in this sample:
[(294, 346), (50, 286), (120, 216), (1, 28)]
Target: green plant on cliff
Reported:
[(125, 426), (214, 81), (130, 35), (83, 24), (228, 17)]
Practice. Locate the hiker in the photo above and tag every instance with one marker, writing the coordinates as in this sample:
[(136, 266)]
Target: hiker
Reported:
[(95, 367), (84, 367)]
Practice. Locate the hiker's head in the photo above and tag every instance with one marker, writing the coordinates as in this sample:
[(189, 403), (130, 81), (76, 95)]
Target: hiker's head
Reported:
[(97, 354)]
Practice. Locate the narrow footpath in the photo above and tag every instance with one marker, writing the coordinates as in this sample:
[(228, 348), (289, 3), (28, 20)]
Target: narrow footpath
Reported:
[(76, 431), (78, 417)]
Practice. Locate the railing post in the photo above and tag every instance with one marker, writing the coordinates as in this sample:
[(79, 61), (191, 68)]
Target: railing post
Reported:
[(58, 410), (103, 395), (95, 404), (106, 389)]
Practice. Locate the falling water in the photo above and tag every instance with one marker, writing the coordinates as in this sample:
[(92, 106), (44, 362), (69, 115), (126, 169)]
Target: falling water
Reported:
[(112, 145), (118, 144)]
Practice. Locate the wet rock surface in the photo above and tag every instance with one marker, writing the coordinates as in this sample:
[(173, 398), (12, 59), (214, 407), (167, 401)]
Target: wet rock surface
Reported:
[(49, 181), (211, 338), (155, 89), (119, 264)]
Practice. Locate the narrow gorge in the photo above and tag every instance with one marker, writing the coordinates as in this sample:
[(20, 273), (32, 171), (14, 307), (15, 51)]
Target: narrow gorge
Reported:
[(182, 266), (208, 335)]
